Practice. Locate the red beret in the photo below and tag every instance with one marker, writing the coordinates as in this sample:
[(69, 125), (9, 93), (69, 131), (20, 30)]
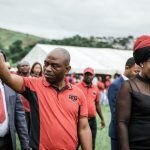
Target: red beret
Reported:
[(141, 42)]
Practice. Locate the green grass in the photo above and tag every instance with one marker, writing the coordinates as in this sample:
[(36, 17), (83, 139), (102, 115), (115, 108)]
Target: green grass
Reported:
[(102, 140), (18, 144)]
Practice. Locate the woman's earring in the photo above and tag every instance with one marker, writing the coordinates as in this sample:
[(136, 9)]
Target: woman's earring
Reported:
[(141, 65)]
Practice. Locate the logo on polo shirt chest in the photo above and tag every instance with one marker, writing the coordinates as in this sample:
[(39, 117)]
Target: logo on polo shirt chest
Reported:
[(73, 97)]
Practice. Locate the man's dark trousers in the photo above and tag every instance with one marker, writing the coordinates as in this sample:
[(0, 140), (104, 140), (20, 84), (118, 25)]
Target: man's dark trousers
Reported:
[(5, 142), (93, 126)]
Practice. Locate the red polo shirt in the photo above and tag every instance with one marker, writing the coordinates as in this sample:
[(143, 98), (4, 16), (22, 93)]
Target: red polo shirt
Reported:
[(54, 114), (92, 96)]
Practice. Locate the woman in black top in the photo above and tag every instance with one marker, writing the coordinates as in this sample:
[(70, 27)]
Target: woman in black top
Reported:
[(133, 103)]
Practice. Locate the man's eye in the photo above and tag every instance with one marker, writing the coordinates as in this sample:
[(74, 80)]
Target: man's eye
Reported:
[(45, 63), (55, 66)]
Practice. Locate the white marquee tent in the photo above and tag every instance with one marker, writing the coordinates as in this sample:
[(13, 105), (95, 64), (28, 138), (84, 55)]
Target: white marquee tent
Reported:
[(103, 60)]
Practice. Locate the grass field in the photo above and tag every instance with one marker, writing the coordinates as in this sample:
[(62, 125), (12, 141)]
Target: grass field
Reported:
[(102, 140)]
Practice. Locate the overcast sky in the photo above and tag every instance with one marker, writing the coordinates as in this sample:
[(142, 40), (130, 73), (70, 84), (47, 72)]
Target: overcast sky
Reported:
[(64, 18)]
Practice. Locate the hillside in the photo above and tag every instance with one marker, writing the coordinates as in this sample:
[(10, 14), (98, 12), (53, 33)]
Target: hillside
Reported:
[(16, 44), (7, 37)]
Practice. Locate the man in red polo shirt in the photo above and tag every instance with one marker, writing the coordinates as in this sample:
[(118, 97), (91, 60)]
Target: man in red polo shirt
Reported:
[(92, 96), (58, 108)]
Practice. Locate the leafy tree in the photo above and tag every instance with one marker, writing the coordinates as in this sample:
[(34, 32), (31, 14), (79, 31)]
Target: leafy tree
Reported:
[(18, 49), (14, 51)]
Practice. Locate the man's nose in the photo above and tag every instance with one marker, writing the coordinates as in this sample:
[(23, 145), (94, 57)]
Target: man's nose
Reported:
[(49, 68)]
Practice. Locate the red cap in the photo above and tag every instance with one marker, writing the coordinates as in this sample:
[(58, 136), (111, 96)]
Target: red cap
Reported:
[(141, 42), (90, 70)]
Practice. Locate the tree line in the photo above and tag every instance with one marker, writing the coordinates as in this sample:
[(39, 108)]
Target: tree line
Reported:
[(16, 51)]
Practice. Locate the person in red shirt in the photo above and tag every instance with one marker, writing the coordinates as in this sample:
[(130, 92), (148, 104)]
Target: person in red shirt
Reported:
[(91, 93), (107, 82), (101, 87), (58, 108)]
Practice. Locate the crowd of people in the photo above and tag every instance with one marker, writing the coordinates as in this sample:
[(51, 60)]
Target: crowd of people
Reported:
[(51, 109), (101, 81)]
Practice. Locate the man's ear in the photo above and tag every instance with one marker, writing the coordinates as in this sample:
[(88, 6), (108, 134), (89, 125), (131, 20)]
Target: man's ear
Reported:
[(126, 67), (68, 68), (141, 65)]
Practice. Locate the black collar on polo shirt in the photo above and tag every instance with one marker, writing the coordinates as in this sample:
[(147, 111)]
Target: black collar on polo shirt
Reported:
[(66, 87)]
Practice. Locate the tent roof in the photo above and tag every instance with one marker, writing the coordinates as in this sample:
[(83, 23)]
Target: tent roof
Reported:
[(103, 60)]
